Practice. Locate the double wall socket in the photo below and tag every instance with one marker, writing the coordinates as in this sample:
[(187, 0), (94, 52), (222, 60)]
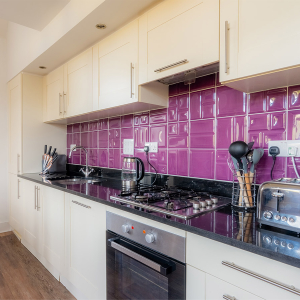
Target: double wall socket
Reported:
[(153, 147), (287, 148)]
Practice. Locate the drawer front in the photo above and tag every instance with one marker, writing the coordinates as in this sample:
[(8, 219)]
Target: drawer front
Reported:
[(219, 289), (207, 255)]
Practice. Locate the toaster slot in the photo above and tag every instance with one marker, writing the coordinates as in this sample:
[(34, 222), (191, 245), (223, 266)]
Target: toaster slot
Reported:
[(279, 197)]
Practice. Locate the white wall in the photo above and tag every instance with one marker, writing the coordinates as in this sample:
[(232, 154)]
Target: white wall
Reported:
[(4, 216)]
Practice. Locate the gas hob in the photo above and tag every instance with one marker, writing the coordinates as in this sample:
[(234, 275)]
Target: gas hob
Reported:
[(172, 201)]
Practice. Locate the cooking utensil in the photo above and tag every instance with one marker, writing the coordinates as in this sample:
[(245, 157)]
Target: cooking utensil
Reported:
[(247, 180), (254, 156), (238, 149)]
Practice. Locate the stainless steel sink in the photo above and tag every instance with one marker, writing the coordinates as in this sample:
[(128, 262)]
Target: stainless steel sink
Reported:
[(77, 180)]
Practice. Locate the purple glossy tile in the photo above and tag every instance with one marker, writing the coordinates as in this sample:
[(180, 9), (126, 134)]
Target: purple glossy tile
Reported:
[(115, 122), (126, 133), (114, 158), (172, 114), (276, 99), (69, 140), (202, 134), (158, 133), (256, 137), (294, 97), (93, 139), (70, 129), (103, 124), (294, 125), (69, 160), (94, 125), (127, 121), (208, 103), (203, 82), (290, 169), (273, 135), (103, 158), (77, 127), (218, 83), (195, 106), (277, 120), (114, 138), (259, 122), (224, 132), (223, 171), (239, 129), (93, 157), (230, 102), (264, 166), (257, 102), (159, 116), (178, 162), (178, 135), (178, 88), (141, 154), (84, 127), (76, 138), (141, 119), (141, 136), (85, 139), (75, 157), (103, 138), (178, 108), (159, 160), (202, 163)]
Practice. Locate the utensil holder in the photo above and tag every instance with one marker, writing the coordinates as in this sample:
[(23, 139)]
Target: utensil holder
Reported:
[(244, 226), (243, 190)]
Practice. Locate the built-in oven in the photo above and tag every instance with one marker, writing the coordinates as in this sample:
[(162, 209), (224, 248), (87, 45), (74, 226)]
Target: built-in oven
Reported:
[(143, 262)]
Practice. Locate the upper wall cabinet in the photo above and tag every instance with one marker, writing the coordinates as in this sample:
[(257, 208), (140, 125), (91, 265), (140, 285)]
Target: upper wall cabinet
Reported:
[(176, 36), (259, 37), (117, 67)]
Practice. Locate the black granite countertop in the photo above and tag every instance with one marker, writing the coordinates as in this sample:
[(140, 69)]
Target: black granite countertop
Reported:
[(237, 229)]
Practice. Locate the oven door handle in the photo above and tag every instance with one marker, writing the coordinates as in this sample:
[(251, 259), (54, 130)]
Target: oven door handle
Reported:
[(140, 258)]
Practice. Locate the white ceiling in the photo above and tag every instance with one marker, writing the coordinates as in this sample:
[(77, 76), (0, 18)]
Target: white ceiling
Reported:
[(35, 14)]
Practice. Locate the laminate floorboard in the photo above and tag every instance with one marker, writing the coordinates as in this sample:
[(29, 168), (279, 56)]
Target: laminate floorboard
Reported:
[(22, 276)]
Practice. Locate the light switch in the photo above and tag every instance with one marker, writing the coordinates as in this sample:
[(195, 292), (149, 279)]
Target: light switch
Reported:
[(128, 147)]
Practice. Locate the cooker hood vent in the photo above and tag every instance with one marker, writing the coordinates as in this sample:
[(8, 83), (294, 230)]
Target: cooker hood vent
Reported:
[(190, 76)]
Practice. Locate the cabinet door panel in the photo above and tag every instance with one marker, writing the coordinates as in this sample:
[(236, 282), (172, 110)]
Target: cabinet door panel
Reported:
[(85, 246), (79, 94), (195, 284), (53, 227), (185, 36), (15, 125)]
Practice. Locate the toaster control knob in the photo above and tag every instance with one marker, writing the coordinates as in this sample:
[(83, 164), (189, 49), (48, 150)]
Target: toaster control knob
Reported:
[(276, 242), (268, 215), (283, 244), (284, 218), (277, 217), (267, 239), (292, 220), (290, 246), (150, 238), (125, 228)]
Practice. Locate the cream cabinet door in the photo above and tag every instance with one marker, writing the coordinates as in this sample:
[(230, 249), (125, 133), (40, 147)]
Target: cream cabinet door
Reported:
[(195, 284), (218, 289), (117, 64), (54, 105), (85, 246), (15, 125), (16, 204), (32, 236), (78, 84), (53, 211), (181, 33), (263, 36)]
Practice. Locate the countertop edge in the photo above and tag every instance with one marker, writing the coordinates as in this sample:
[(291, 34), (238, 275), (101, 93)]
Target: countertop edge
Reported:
[(289, 260)]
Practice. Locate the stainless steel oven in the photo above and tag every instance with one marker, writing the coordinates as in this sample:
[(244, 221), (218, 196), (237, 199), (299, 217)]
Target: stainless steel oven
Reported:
[(143, 262)]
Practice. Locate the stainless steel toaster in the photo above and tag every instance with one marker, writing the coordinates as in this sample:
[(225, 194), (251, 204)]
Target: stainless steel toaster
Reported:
[(279, 204)]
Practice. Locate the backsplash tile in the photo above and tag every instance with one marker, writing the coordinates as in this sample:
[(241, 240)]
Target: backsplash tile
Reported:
[(195, 131)]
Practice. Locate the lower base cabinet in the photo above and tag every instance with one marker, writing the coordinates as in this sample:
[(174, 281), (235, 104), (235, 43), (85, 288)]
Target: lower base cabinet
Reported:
[(195, 284), (85, 247)]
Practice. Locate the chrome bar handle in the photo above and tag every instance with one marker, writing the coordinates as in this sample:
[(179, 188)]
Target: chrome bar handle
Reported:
[(37, 198), (65, 109), (131, 80), (288, 288), (59, 103), (226, 46), (18, 163), (18, 188), (227, 297), (181, 62), (35, 188), (81, 204)]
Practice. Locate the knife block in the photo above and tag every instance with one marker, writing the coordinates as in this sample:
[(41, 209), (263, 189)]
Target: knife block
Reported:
[(60, 165)]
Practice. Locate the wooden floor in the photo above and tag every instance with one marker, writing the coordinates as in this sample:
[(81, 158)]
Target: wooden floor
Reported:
[(22, 276)]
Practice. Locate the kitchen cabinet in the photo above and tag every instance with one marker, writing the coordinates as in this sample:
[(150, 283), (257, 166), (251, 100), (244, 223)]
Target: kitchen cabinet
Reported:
[(215, 253), (184, 34), (33, 204), (85, 247), (259, 41), (16, 205), (195, 284), (118, 69)]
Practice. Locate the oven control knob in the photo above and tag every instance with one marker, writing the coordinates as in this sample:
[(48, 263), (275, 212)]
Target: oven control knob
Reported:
[(267, 239), (276, 242), (268, 215), (290, 246), (283, 244), (150, 238), (125, 228)]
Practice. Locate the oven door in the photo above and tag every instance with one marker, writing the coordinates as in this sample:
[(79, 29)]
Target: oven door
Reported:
[(137, 273)]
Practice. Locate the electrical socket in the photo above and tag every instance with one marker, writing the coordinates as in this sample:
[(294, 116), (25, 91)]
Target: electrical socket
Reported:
[(72, 146), (287, 148), (128, 147), (153, 147)]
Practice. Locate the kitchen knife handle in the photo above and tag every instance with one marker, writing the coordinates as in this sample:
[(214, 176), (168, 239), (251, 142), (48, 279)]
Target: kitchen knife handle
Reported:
[(49, 151), (45, 149), (54, 152)]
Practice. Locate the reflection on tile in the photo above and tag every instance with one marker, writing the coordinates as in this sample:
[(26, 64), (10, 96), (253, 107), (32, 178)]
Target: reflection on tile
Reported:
[(294, 125), (93, 157), (178, 162), (203, 82), (202, 134), (223, 171), (202, 163), (114, 138), (159, 116), (127, 121), (159, 160), (141, 136), (141, 119), (178, 135), (178, 108), (158, 133), (115, 122), (114, 158), (294, 96), (103, 158), (276, 99)]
